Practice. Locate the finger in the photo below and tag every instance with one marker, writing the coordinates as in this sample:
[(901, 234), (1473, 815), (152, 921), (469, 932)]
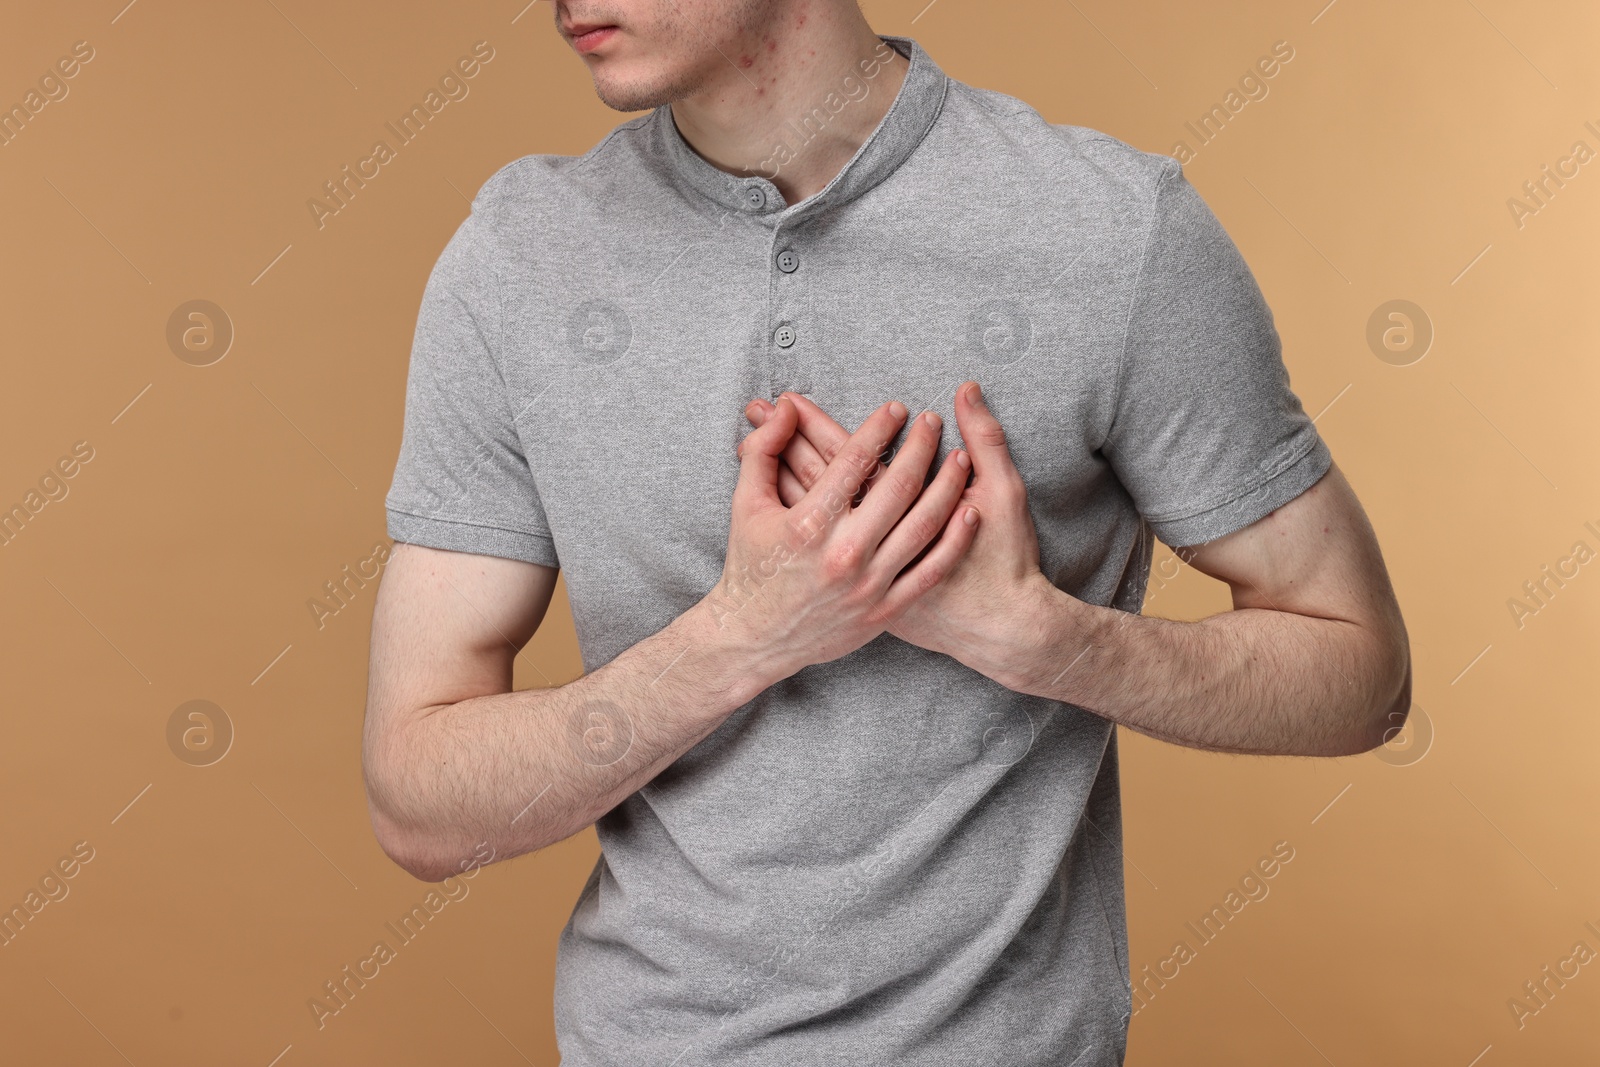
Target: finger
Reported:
[(984, 436), (790, 491), (896, 489), (824, 436), (804, 460), (818, 426), (925, 519), (855, 463), (810, 461), (933, 568), (758, 462)]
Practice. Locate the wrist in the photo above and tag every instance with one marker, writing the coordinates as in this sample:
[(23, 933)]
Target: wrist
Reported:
[(729, 655), (1053, 629)]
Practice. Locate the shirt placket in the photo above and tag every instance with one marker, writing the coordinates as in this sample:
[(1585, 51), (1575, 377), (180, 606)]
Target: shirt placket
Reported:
[(791, 331)]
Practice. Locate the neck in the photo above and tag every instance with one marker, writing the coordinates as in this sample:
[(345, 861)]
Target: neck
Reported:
[(795, 109)]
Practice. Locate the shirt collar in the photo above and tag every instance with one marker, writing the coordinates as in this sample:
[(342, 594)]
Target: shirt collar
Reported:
[(897, 135)]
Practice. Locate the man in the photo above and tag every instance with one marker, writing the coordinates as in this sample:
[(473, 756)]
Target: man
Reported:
[(847, 734)]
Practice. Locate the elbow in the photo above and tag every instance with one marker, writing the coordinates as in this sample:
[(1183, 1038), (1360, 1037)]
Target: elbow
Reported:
[(401, 843), (425, 856), (408, 850), (1385, 715), (429, 861), (415, 861), (426, 870)]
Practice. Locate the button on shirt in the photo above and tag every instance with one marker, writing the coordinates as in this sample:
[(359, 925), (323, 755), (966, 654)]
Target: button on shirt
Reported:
[(886, 858)]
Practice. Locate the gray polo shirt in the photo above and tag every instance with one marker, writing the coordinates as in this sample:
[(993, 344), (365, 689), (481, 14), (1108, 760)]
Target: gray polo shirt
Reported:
[(887, 858)]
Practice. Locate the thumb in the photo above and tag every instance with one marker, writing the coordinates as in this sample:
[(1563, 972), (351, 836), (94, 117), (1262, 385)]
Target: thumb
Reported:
[(759, 452)]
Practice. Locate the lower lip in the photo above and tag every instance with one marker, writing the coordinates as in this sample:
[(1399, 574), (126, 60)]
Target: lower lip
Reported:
[(593, 39)]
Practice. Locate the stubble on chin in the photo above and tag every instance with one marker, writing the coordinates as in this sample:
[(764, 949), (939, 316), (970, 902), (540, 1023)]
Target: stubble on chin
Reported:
[(641, 96)]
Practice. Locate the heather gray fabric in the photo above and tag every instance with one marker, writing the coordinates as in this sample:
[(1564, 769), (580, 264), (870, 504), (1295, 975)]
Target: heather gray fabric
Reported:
[(888, 858)]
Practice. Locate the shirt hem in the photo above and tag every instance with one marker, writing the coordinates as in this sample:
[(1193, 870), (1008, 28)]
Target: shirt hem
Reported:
[(455, 536), (1249, 504)]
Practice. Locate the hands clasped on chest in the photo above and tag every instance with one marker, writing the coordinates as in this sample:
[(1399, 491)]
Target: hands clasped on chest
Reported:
[(829, 546)]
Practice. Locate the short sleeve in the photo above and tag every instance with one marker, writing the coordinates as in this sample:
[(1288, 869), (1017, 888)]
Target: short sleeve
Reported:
[(1206, 435), (462, 481)]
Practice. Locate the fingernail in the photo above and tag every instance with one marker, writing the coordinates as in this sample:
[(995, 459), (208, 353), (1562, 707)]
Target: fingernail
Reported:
[(897, 409), (970, 517), (975, 395), (962, 461), (931, 418)]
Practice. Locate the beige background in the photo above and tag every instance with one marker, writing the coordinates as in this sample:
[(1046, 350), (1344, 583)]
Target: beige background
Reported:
[(1423, 891)]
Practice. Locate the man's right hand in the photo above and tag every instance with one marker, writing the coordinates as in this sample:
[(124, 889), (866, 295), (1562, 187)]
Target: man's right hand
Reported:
[(813, 582)]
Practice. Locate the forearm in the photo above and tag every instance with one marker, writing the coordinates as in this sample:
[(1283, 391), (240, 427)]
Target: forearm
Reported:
[(1247, 681), (522, 770)]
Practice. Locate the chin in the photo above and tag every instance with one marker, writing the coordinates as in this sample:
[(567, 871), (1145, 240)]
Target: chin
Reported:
[(626, 97), (628, 86)]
